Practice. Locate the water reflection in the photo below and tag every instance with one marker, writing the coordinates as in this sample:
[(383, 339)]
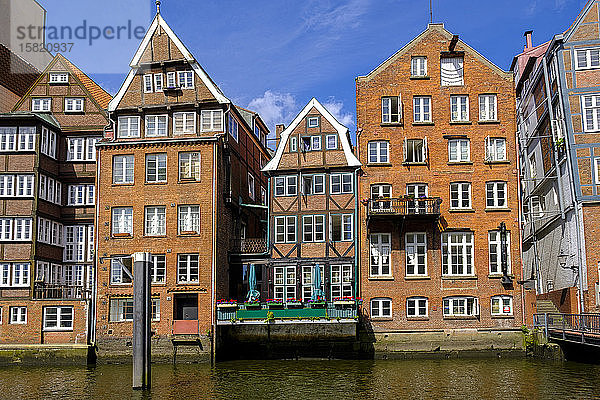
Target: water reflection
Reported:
[(313, 379)]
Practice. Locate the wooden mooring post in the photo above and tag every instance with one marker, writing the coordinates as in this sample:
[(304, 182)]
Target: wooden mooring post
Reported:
[(142, 314)]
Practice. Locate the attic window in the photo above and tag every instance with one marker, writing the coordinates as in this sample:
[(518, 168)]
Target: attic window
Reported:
[(59, 78), (313, 122), (186, 79), (171, 80), (452, 71), (331, 142)]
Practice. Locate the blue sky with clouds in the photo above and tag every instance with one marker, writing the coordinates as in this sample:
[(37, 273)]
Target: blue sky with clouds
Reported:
[(273, 56)]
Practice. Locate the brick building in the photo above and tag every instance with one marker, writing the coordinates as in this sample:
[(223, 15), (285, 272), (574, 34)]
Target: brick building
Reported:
[(179, 176), (559, 134), (436, 137), (47, 192)]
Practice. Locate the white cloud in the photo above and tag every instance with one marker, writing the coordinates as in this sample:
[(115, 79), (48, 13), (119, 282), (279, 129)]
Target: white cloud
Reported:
[(322, 15), (559, 5), (336, 107), (274, 108)]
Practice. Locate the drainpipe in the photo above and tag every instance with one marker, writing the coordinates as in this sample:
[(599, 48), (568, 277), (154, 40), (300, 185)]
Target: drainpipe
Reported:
[(356, 236), (214, 256)]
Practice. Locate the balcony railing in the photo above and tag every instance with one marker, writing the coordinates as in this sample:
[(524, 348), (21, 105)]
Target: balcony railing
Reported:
[(331, 311), (249, 246), (42, 291), (405, 206)]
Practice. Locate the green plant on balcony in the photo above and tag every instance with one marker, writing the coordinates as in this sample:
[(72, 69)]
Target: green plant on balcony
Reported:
[(252, 304), (274, 304), (270, 317)]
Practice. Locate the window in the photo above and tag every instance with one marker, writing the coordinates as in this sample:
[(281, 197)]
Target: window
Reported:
[(18, 315), (331, 142), (380, 250), (587, 58), (313, 122), (308, 281), (459, 107), (379, 152), (416, 254), (123, 169), (186, 79), (415, 150), (495, 248), (8, 138), (232, 127), (122, 221), (189, 166), (80, 148), (285, 283), (452, 71), (50, 190), (381, 308), (422, 108), (49, 232), (184, 122), (171, 80), (311, 143), (23, 229), (341, 227), (74, 243), (187, 268), (121, 310), (27, 138), (416, 307), (379, 192), (0, 315), (189, 220), (155, 223), (591, 112), (285, 229), (460, 195), (313, 228), (59, 78), (4, 274), (148, 83), (156, 168), (341, 183), (48, 142), (251, 187), (80, 195), (156, 125), (597, 170), (119, 273), (293, 144), (318, 184), (24, 185), (418, 66), (155, 306), (495, 149), (158, 82), (263, 196), (286, 185), (391, 110), (158, 268), (461, 307), (459, 150), (58, 318), (7, 185), (502, 305), (212, 120), (74, 104), (129, 127), (457, 254), (488, 104), (341, 281), (495, 194), (41, 104), (20, 275), (532, 166)]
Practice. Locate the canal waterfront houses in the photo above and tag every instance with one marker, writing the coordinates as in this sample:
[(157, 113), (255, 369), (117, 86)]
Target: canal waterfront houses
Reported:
[(436, 138), (179, 177), (47, 186), (558, 100)]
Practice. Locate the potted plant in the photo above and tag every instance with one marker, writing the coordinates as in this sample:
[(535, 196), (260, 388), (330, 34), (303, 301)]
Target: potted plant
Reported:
[(227, 304), (344, 301), (317, 303), (252, 304), (274, 304), (294, 303)]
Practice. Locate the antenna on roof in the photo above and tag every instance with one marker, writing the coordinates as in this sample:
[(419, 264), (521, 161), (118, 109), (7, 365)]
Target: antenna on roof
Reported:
[(431, 11), (158, 6)]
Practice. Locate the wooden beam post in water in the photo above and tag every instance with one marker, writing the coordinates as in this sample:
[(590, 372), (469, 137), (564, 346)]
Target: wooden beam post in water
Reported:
[(142, 314)]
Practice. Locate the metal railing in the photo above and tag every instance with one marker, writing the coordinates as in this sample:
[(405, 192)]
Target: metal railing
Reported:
[(330, 310), (248, 246), (404, 206), (42, 291), (563, 325)]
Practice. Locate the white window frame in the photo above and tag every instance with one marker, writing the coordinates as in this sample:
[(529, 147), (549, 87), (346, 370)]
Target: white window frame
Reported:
[(590, 106), (293, 144), (156, 163), (415, 244), (41, 104), (74, 104), (81, 195), (502, 301), (119, 309), (187, 126), (495, 255), (189, 166), (289, 184), (185, 269), (411, 153), (313, 228), (23, 229), (251, 186), (156, 123), (460, 146), (313, 122), (62, 317), (381, 251), (27, 136), (597, 170), (493, 149), (75, 243), (391, 109), (24, 185), (148, 83), (455, 303), (129, 127), (464, 264), (285, 281), (331, 144), (346, 227), (117, 276), (418, 66), (590, 61), (158, 82), (188, 219), (122, 221), (459, 108), (21, 315), (185, 79), (59, 77), (158, 269), (341, 183), (127, 165), (499, 194), (422, 112), (8, 138), (340, 283), (285, 229), (171, 80), (488, 107), (417, 305), (20, 274), (459, 189), (155, 221), (379, 152), (211, 120), (377, 304)]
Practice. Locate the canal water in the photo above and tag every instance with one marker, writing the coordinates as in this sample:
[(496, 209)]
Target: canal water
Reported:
[(506, 379)]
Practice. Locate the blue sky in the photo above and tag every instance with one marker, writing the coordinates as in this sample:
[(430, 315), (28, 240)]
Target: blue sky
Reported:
[(273, 56)]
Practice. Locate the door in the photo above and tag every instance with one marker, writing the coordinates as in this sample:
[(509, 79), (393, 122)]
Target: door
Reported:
[(186, 307)]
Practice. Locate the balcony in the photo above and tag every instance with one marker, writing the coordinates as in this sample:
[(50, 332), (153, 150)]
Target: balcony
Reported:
[(49, 291), (404, 207), (248, 246)]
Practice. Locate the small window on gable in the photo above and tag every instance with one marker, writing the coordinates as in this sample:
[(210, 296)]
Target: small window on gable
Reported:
[(293, 144), (148, 87), (587, 58), (59, 78), (158, 82), (186, 79), (331, 142), (452, 71), (74, 104), (418, 66), (313, 122), (171, 80), (41, 104)]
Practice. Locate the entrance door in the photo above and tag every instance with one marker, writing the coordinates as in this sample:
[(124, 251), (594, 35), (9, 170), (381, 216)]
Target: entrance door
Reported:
[(186, 306)]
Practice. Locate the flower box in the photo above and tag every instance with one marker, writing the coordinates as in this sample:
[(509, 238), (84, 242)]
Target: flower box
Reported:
[(317, 304), (227, 305), (295, 303), (344, 302), (253, 305), (275, 305)]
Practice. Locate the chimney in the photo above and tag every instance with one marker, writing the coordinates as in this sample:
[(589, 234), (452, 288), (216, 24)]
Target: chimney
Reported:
[(278, 129), (528, 40)]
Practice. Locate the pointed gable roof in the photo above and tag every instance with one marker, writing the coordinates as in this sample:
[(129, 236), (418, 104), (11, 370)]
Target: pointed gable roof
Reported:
[(430, 28), (136, 63), (95, 91), (341, 130)]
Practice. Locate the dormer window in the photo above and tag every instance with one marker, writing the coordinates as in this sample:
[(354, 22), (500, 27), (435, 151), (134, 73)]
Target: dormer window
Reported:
[(74, 104), (59, 78), (186, 79), (313, 122), (41, 104)]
